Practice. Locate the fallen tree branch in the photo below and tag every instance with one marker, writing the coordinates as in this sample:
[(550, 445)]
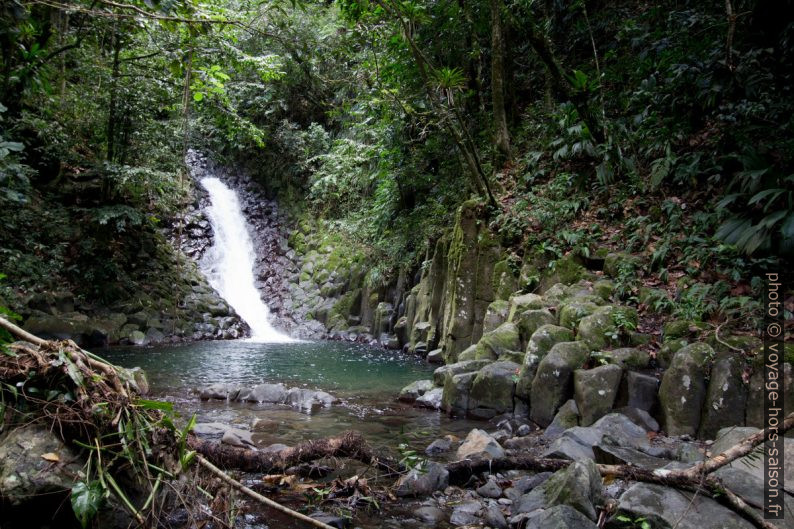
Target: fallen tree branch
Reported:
[(350, 444), (696, 477), (258, 497)]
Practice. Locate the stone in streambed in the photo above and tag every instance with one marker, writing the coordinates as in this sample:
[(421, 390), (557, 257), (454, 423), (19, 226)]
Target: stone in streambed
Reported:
[(479, 444), (431, 399), (494, 387), (558, 517), (414, 390), (424, 482), (577, 486)]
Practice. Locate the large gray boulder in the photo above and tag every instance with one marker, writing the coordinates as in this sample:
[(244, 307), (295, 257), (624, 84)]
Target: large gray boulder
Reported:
[(543, 339), (531, 320), (595, 391), (495, 315), (728, 437), (665, 507), (493, 388), (309, 400), (424, 481), (683, 390), (455, 395), (479, 444), (501, 340), (577, 486), (558, 517), (414, 390), (264, 393), (627, 357), (567, 417), (572, 312), (431, 399), (553, 383), (600, 329), (726, 397), (35, 462), (642, 391), (440, 374)]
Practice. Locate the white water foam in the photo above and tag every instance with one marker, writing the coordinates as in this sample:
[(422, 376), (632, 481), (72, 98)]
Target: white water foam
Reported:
[(229, 264)]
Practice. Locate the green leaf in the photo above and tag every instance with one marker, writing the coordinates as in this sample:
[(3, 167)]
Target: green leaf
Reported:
[(155, 405), (198, 96), (86, 500)]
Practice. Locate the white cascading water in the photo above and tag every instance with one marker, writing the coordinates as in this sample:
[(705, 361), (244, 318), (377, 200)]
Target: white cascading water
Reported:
[(229, 264)]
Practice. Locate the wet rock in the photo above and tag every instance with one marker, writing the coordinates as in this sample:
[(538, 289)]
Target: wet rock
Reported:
[(439, 446), (665, 507), (436, 356), (559, 517), (440, 374), (567, 417), (275, 447), (489, 490), (640, 417), (494, 387), (431, 399), (210, 428), (415, 483), (595, 391), (307, 399), (466, 513), (493, 517), (264, 393), (414, 390), (25, 474), (260, 424), (429, 514), (572, 312), (577, 486), (237, 437), (527, 483), (523, 430), (219, 391), (479, 444), (553, 383), (455, 396), (598, 328), (683, 390), (617, 455), (338, 522)]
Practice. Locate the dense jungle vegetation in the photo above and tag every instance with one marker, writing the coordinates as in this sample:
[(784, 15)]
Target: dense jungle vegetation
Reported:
[(663, 129)]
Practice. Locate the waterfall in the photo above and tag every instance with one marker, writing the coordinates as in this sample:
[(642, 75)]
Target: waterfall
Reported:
[(229, 264)]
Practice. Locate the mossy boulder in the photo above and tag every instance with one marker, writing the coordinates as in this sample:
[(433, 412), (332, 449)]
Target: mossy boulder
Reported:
[(669, 348), (683, 390), (505, 281), (522, 302), (572, 312), (455, 398), (531, 320), (553, 383), (726, 397), (470, 353), (495, 315), (543, 339), (604, 288), (499, 341), (601, 328), (681, 329), (595, 391), (566, 270), (577, 486), (627, 358), (615, 261), (493, 389), (440, 375)]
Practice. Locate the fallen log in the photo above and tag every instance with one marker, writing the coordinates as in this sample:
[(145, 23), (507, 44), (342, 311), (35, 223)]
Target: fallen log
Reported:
[(350, 445)]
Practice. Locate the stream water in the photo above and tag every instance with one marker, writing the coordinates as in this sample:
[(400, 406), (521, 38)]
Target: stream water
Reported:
[(367, 380)]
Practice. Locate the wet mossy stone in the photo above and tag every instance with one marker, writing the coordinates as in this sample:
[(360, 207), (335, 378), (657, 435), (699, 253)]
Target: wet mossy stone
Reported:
[(603, 288), (504, 280), (595, 391), (470, 353), (553, 383), (681, 329), (494, 387), (669, 348), (555, 294), (566, 270), (600, 330), (501, 340), (440, 374), (522, 302), (683, 390), (572, 312), (627, 357), (455, 397), (613, 262), (543, 339), (531, 320), (495, 315), (578, 486)]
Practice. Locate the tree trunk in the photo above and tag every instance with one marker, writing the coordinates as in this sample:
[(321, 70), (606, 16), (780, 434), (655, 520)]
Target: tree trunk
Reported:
[(501, 133), (112, 110)]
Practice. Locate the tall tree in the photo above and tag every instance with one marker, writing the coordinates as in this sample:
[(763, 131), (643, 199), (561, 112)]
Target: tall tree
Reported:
[(501, 132)]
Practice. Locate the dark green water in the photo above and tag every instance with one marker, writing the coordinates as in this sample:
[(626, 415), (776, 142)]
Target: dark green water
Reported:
[(367, 380)]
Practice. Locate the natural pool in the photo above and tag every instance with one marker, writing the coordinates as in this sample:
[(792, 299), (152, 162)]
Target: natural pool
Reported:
[(367, 380)]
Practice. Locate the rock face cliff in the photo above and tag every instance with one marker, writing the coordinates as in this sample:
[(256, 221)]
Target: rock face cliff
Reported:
[(538, 337)]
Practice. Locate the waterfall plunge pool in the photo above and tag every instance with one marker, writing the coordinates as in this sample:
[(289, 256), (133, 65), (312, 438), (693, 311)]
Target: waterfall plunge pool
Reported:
[(367, 380)]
